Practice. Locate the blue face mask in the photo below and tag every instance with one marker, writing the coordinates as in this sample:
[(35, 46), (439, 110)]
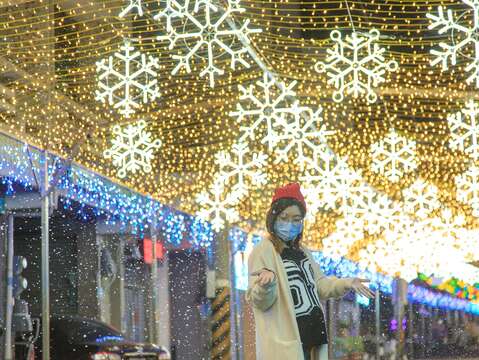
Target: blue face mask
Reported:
[(287, 231)]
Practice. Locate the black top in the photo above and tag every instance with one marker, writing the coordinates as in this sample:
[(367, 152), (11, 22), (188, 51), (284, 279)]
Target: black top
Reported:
[(308, 310)]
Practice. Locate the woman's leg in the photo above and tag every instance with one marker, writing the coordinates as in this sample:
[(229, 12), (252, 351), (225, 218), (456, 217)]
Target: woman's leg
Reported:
[(323, 352), (307, 353)]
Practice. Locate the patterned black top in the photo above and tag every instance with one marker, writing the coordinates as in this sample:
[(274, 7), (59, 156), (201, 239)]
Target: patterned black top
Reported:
[(308, 309)]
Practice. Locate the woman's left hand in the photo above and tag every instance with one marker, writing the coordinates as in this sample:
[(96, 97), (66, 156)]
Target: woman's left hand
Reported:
[(360, 288)]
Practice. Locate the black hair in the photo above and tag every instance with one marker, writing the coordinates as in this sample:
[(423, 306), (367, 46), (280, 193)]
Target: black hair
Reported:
[(277, 208)]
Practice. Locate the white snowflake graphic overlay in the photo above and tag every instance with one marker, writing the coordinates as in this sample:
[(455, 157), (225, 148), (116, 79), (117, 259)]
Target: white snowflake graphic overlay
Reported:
[(132, 148), (217, 207), (213, 33), (303, 135), (394, 156), (468, 188), (263, 107), (355, 65), (133, 4), (238, 165), (127, 78), (462, 37), (420, 199), (464, 133)]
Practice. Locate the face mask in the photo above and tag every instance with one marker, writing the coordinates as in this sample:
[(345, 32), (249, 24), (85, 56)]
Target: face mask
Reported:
[(287, 231)]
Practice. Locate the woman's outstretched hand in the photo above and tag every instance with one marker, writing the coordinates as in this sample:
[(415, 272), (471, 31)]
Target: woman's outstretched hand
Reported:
[(265, 277), (360, 288)]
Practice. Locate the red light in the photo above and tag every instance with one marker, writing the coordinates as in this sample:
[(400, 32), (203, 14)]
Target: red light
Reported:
[(148, 251)]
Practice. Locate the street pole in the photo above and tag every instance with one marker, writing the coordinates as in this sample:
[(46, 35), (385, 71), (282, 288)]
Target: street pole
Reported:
[(154, 284), (10, 300), (378, 321), (221, 325), (45, 263)]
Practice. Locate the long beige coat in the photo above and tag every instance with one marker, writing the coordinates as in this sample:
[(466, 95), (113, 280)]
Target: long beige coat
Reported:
[(277, 334)]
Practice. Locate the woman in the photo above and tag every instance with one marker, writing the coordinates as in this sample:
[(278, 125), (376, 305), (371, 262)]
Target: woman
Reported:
[(286, 284)]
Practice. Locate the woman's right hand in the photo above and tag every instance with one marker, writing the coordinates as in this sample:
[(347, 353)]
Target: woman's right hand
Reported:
[(265, 277)]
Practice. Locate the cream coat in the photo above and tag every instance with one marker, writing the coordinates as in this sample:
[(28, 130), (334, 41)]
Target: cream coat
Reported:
[(277, 334)]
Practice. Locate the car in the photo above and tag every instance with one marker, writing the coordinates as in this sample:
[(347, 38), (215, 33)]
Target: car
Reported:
[(79, 338)]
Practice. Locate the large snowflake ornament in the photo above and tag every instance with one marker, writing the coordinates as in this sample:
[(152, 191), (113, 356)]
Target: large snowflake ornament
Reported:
[(394, 156), (302, 135), (420, 199), (132, 148), (464, 127), (216, 207), (463, 37), (238, 165), (126, 78), (355, 65), (468, 188), (209, 36), (133, 4), (263, 107)]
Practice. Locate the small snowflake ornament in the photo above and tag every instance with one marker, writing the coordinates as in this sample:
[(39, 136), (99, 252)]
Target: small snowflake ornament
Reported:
[(126, 78), (464, 126), (394, 156), (327, 182), (133, 4), (420, 199), (349, 230), (263, 107), (211, 37), (132, 148), (468, 188), (218, 207), (302, 135), (463, 37), (355, 65), (238, 165)]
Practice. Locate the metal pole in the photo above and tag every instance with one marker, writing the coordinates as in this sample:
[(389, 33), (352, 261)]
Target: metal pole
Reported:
[(10, 300), (121, 267), (45, 264), (154, 285), (378, 321)]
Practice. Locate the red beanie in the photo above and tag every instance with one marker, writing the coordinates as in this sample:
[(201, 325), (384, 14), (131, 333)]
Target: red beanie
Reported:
[(291, 191)]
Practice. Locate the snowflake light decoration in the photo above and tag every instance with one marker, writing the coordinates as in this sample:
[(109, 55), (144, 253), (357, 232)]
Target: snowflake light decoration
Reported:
[(263, 107), (213, 33), (303, 135), (393, 156), (237, 165), (132, 148), (348, 230), (127, 78), (171, 9), (216, 207), (462, 37), (468, 188), (383, 214), (355, 65), (359, 199), (327, 182), (464, 133), (133, 4), (420, 199)]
